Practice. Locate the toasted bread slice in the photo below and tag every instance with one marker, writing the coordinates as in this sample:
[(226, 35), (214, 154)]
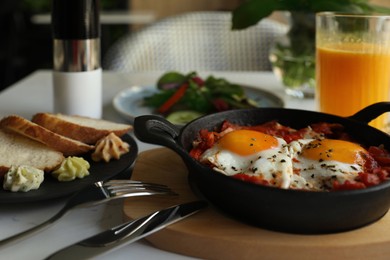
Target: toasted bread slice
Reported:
[(34, 131), (85, 129), (16, 149)]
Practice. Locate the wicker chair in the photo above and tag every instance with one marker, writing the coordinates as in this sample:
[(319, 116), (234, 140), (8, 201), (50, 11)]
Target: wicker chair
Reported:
[(194, 42)]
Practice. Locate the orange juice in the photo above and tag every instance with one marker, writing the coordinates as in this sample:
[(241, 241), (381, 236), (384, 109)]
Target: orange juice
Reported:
[(351, 76)]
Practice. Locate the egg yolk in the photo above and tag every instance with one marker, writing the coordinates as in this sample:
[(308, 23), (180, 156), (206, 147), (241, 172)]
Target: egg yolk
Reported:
[(247, 142), (334, 150)]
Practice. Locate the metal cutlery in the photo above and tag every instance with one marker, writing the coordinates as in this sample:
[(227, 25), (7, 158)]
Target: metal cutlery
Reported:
[(97, 193), (128, 232)]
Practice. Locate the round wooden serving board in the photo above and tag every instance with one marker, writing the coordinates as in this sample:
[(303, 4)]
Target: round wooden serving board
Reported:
[(210, 234)]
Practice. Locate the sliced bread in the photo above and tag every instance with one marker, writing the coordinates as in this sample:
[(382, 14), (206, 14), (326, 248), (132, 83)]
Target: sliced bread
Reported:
[(17, 150), (85, 129), (53, 140)]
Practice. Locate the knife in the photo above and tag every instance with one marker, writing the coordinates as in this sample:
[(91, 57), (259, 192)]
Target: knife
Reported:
[(128, 232)]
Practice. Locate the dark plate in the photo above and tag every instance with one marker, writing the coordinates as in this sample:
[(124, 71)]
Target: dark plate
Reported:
[(52, 188)]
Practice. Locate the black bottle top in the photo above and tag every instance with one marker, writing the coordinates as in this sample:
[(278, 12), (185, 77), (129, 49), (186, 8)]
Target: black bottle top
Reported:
[(75, 19)]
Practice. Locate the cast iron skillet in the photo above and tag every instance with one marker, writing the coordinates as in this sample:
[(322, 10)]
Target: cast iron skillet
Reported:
[(273, 208)]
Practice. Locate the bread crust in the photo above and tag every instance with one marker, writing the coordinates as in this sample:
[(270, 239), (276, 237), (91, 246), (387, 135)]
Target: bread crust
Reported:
[(16, 149), (83, 129), (36, 132)]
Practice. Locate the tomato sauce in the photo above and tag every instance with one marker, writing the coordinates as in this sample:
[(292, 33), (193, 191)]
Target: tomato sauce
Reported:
[(377, 162)]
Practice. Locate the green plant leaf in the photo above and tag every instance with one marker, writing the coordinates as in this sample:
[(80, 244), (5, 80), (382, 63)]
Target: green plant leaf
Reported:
[(158, 99), (380, 9), (171, 77), (252, 11), (333, 5)]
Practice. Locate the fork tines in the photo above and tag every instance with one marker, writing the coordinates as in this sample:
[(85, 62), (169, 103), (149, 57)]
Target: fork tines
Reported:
[(126, 186)]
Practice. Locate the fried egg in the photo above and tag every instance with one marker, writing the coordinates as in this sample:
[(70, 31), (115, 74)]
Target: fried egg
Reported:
[(252, 153), (321, 162), (310, 164)]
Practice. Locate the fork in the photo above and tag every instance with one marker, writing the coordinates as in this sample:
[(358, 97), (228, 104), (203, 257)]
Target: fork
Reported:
[(95, 194)]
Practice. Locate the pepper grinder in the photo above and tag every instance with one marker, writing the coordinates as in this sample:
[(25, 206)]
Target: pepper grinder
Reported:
[(77, 74)]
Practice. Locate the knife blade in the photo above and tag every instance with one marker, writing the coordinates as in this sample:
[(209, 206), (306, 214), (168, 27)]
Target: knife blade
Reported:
[(128, 232)]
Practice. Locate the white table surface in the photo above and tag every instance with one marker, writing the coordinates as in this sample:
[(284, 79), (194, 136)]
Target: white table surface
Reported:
[(34, 94)]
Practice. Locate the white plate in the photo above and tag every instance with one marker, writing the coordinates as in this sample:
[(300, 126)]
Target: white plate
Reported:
[(129, 102)]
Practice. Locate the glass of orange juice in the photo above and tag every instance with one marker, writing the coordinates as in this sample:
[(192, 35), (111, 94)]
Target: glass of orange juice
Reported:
[(352, 63)]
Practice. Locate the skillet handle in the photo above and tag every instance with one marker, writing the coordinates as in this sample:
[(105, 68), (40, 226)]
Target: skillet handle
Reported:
[(157, 130), (371, 112)]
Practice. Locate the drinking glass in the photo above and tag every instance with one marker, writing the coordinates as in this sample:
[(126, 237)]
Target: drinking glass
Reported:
[(352, 63)]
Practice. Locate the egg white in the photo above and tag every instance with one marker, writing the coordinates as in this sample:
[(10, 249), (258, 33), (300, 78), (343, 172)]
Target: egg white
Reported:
[(283, 166), (320, 175), (272, 165)]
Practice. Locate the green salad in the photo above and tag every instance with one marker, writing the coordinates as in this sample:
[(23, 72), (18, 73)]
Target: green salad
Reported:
[(181, 98)]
